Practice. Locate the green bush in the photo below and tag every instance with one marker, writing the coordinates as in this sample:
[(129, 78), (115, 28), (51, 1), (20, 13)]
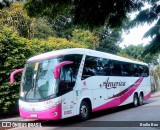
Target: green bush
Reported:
[(53, 43), (9, 98), (13, 53)]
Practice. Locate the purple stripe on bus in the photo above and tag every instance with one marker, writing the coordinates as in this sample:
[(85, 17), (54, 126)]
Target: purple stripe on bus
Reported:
[(124, 91)]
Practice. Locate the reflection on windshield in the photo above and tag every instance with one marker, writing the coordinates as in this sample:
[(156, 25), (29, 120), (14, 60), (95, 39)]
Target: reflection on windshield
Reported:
[(38, 80)]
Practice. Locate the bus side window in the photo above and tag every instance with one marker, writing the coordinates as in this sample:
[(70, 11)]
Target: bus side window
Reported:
[(127, 69), (116, 70), (140, 69), (28, 84), (136, 70), (67, 80), (96, 66), (90, 67), (106, 67), (76, 58), (145, 71)]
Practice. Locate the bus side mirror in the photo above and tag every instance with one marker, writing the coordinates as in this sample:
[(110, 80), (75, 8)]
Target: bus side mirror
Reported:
[(58, 67), (13, 73)]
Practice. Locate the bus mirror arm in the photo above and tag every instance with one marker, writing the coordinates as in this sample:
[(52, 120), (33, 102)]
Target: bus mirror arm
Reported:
[(13, 73), (58, 67)]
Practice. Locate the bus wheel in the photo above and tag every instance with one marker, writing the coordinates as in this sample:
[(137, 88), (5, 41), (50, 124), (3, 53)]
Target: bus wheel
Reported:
[(84, 111), (135, 100), (140, 99)]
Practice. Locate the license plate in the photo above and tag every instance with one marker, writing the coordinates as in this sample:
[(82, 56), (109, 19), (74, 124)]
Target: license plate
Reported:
[(34, 115)]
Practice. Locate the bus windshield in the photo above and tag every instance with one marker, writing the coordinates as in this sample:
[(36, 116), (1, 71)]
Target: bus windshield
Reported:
[(38, 81)]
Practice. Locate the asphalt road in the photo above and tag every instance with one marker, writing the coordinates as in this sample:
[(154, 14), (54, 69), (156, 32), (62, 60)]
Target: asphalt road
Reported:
[(120, 118)]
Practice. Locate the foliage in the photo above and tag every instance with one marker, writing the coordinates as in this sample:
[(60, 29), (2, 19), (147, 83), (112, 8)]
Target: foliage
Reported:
[(50, 8), (53, 43), (109, 40), (136, 52), (63, 26), (85, 12), (133, 51), (150, 15), (109, 46), (127, 56), (85, 37), (9, 98), (42, 29), (26, 27), (157, 71), (13, 54), (16, 17)]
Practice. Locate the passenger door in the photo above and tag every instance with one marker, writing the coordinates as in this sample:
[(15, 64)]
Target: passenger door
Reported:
[(66, 85)]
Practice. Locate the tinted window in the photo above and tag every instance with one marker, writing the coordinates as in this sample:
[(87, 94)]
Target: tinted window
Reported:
[(116, 68), (76, 58), (127, 69), (90, 67), (146, 71), (143, 70), (69, 73), (105, 68), (95, 66)]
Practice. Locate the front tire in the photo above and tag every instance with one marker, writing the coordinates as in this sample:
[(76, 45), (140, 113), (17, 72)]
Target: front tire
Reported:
[(84, 111)]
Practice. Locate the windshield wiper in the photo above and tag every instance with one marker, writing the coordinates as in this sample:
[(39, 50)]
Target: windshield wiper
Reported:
[(50, 96), (25, 97)]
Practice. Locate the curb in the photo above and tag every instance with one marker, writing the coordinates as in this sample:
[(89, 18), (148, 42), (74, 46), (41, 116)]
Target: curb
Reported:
[(155, 94)]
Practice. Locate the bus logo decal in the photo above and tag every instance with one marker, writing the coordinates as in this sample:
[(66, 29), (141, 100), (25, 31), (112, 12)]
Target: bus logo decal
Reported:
[(84, 83), (108, 85)]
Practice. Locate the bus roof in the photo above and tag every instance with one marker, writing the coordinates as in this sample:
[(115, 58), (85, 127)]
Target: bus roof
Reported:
[(82, 51)]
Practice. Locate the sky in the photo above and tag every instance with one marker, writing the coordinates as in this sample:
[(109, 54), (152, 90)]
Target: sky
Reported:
[(135, 35)]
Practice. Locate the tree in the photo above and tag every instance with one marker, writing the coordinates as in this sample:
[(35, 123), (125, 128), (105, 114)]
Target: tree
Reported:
[(136, 52), (89, 13), (109, 46), (63, 26), (85, 37), (157, 71), (42, 28), (109, 40), (150, 15), (16, 17), (26, 27), (13, 54)]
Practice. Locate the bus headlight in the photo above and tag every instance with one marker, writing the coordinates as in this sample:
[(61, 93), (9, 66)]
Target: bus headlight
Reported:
[(52, 103)]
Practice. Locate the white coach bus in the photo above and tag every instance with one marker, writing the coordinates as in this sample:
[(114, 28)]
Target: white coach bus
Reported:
[(69, 82)]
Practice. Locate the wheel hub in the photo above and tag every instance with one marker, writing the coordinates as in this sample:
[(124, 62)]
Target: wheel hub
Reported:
[(84, 111)]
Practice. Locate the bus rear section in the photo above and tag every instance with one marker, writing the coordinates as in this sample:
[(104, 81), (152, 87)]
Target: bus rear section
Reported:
[(115, 82)]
